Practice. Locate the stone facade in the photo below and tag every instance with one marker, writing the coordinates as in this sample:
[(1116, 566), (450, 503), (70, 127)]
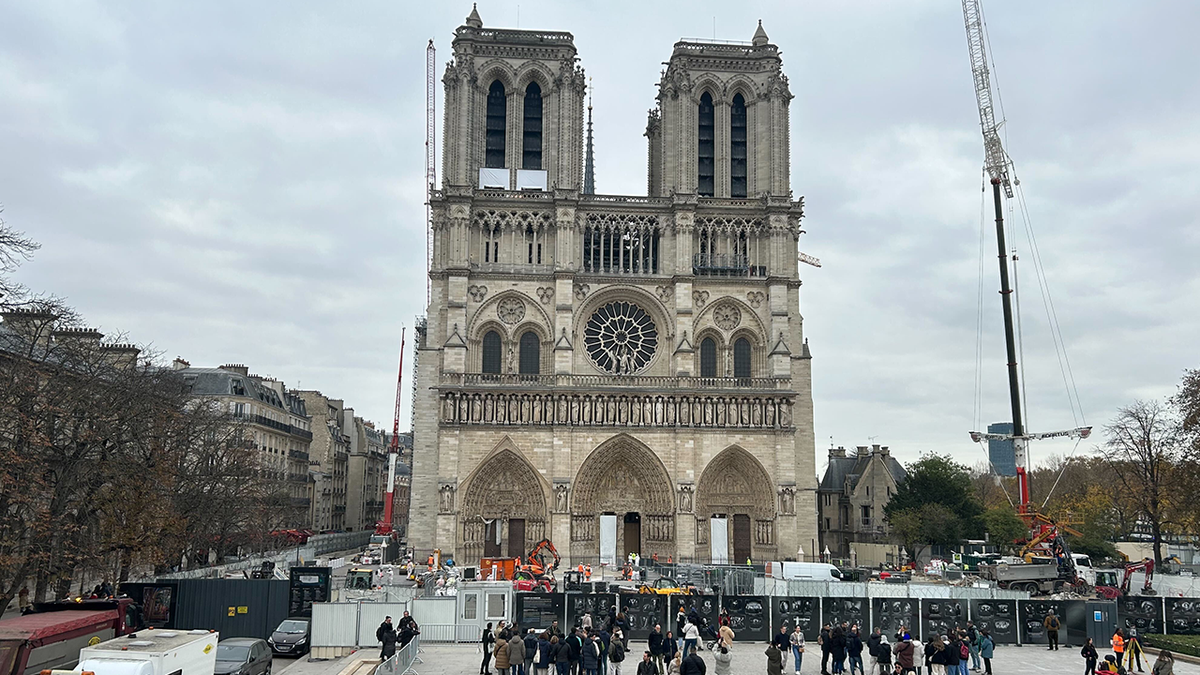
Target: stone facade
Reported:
[(595, 368), (330, 452), (851, 498), (367, 475)]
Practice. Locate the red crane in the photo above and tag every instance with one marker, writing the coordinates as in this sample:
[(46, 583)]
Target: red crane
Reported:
[(384, 527)]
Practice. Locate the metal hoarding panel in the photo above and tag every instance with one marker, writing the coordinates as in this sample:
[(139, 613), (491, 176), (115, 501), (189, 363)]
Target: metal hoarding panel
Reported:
[(998, 617), (643, 611), (889, 614), (335, 624), (749, 617), (794, 610)]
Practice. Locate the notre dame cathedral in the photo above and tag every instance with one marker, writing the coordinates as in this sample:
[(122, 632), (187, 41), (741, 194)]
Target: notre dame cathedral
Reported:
[(614, 373)]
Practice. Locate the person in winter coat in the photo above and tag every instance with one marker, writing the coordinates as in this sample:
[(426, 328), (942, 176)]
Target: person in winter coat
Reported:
[(388, 638), (670, 648), (680, 622), (774, 660), (531, 650), (516, 655), (873, 647), (837, 650), (726, 634), (692, 664), (919, 662), (561, 653), (1164, 664), (1052, 624), (823, 641), (647, 665), (1089, 654), (724, 661), (500, 653), (575, 645), (796, 642), (973, 645), (590, 655), (485, 642), (616, 654), (884, 656), (691, 637), (854, 649), (904, 652), (986, 647), (953, 652), (543, 656), (674, 665), (655, 643), (934, 657)]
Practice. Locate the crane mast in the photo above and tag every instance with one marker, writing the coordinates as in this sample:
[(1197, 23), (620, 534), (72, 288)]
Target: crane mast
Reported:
[(430, 155), (998, 166), (384, 526)]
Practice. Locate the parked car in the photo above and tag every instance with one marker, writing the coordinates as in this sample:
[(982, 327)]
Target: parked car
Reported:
[(243, 656), (291, 636)]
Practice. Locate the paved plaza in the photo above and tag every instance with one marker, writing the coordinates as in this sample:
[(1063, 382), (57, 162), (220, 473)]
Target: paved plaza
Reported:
[(748, 659)]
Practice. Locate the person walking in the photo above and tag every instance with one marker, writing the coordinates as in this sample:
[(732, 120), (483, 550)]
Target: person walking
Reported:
[(1089, 654), (782, 640), (823, 642), (723, 659), (670, 648), (837, 650), (485, 643), (796, 642), (986, 647), (1052, 624), (616, 653), (648, 665), (655, 643), (973, 645), (885, 656), (1164, 664), (691, 637), (774, 659), (1118, 646), (692, 664), (387, 635), (591, 656), (680, 623), (500, 654), (919, 663)]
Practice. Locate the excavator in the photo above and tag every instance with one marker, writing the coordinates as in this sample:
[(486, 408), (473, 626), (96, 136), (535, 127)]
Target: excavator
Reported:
[(1113, 593), (532, 573)]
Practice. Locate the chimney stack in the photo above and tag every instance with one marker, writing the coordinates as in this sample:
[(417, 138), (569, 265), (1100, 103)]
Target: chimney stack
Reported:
[(79, 338), (122, 355), (238, 368), (33, 325), (179, 363), (837, 452), (863, 450)]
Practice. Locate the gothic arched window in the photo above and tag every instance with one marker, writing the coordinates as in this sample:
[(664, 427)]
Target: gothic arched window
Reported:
[(706, 147), (531, 362), (737, 147), (532, 150), (497, 104), (708, 357), (491, 353), (741, 358)]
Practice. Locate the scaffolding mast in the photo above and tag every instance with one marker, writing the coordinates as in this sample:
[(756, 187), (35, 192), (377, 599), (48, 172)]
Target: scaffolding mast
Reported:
[(430, 154)]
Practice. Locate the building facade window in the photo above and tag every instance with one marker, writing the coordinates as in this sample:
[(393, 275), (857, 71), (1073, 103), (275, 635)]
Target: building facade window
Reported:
[(741, 358), (497, 113), (530, 354), (708, 357), (531, 155), (621, 248), (706, 147), (737, 147), (491, 353)]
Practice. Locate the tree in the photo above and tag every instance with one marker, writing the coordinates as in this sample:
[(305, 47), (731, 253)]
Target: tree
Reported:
[(1003, 526), (1145, 443), (15, 248), (936, 504)]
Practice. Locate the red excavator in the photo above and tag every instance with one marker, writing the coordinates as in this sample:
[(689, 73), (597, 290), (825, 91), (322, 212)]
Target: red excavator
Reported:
[(1147, 565), (534, 574)]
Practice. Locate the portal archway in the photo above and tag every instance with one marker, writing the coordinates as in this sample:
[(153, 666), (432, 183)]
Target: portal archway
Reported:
[(735, 487), (503, 509), (622, 480)]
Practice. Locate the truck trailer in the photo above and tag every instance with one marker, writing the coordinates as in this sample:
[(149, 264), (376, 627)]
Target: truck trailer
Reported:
[(52, 636)]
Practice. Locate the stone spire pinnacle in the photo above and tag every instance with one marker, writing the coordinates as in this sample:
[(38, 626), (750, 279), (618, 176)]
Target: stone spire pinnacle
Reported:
[(760, 36), (474, 21), (589, 160)]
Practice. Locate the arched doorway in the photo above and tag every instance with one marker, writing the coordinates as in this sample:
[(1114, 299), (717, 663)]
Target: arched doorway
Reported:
[(623, 503), (736, 498), (503, 510)]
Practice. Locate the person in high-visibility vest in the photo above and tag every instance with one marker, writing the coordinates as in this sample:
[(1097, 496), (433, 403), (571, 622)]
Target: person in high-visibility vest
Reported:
[(1118, 645), (429, 563), (587, 572)]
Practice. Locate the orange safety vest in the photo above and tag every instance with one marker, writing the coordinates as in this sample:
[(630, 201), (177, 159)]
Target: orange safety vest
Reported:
[(1118, 643), (588, 572)]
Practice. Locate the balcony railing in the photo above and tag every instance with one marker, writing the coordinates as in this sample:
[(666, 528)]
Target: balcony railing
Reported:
[(298, 478), (298, 454), (640, 382), (300, 501), (726, 265), (274, 424)]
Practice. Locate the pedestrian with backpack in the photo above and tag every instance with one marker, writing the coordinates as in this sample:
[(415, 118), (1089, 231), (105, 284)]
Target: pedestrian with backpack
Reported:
[(973, 645), (1052, 624), (986, 646)]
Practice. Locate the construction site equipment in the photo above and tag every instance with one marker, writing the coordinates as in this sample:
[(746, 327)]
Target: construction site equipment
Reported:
[(361, 579), (51, 636), (158, 652), (1145, 565), (536, 564), (667, 586), (384, 527)]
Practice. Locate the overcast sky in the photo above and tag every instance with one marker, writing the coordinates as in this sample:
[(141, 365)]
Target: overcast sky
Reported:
[(242, 182)]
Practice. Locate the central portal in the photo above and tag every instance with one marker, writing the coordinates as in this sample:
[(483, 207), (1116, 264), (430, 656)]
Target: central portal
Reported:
[(633, 534)]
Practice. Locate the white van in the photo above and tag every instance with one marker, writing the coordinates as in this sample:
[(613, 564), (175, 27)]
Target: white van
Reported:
[(803, 570)]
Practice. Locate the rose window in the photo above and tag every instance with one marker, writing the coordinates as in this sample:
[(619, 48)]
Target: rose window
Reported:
[(620, 338)]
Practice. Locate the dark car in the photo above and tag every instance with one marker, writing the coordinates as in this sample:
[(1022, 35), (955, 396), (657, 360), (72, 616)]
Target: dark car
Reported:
[(291, 637), (243, 656)]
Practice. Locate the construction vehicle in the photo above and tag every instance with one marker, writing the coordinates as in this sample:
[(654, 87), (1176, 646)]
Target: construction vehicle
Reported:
[(151, 652), (1043, 575), (50, 637), (533, 564), (536, 560), (667, 586), (360, 579), (383, 528), (1110, 591), (526, 581)]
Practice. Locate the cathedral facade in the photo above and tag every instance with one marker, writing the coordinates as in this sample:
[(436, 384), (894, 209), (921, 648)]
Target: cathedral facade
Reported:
[(614, 373)]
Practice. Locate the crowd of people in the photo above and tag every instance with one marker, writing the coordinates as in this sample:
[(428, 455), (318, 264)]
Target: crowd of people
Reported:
[(396, 637)]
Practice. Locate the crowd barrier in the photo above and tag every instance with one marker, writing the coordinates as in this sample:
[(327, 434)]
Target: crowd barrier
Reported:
[(402, 662)]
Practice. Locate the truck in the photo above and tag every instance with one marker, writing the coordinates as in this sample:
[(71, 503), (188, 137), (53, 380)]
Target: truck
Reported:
[(1032, 577), (151, 652), (51, 636)]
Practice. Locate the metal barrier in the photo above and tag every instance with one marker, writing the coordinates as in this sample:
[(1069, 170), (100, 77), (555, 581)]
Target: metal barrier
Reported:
[(402, 662), (450, 632)]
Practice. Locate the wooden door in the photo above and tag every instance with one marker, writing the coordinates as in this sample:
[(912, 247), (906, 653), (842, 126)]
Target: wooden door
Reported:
[(741, 539), (516, 538), (491, 543)]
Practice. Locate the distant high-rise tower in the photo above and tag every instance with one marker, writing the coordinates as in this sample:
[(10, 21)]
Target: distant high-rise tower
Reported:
[(1001, 453)]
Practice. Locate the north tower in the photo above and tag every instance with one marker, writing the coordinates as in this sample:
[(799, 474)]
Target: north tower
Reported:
[(615, 373)]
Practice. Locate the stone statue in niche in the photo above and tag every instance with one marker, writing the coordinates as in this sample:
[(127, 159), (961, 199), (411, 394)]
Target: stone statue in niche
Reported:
[(561, 495), (685, 498), (446, 498), (787, 500)]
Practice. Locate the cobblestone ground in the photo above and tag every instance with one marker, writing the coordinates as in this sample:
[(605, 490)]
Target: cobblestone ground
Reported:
[(748, 659)]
